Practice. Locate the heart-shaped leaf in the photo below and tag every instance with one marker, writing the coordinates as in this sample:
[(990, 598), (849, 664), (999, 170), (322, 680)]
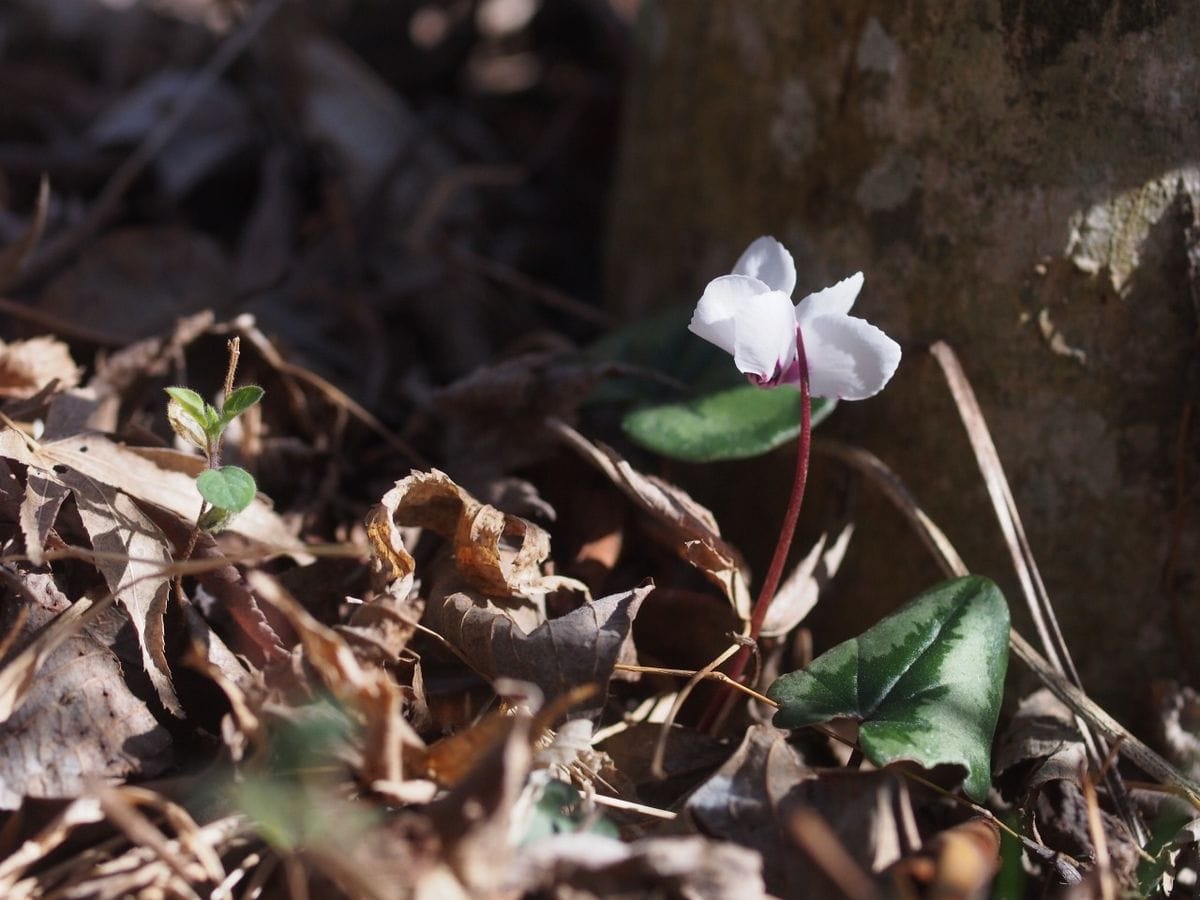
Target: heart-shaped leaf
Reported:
[(736, 423), (925, 682), (229, 488), (239, 401)]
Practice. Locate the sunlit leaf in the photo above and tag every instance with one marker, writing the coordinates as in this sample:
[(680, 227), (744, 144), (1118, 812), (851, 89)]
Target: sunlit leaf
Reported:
[(925, 682), (740, 422), (189, 400), (229, 488)]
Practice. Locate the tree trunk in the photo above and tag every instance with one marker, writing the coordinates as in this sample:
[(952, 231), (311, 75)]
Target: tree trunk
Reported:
[(1019, 179)]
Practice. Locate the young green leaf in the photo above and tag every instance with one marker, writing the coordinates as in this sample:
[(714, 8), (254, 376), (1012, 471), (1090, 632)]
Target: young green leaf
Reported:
[(239, 401), (740, 422), (229, 488), (191, 402), (925, 682)]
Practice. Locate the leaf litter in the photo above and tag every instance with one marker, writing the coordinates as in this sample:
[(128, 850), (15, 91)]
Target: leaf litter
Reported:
[(443, 652)]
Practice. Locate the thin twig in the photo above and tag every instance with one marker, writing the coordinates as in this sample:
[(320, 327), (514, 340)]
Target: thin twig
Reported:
[(692, 673), (1034, 589), (660, 746)]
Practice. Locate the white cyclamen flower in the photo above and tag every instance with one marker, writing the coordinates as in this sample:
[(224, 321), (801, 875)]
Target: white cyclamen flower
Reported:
[(750, 315)]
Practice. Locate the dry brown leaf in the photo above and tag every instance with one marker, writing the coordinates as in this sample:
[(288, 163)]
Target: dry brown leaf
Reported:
[(370, 690), (559, 655), (474, 820), (256, 637), (684, 525), (39, 508), (585, 866), (96, 457), (737, 802), (79, 700), (799, 593), (28, 366), (134, 558), (957, 864), (136, 281), (499, 554), (870, 812)]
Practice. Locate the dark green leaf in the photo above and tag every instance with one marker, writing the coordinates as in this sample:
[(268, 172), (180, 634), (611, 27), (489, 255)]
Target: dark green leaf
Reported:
[(662, 344), (240, 400), (925, 682), (736, 423), (229, 488)]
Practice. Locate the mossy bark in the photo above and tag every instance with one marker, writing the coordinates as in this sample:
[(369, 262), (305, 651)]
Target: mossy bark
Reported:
[(1019, 181)]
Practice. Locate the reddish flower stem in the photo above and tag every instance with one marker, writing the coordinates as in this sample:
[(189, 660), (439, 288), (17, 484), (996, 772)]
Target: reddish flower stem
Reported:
[(766, 594)]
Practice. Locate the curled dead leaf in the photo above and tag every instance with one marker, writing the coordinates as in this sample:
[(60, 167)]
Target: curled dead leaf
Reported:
[(499, 554), (28, 366), (558, 656)]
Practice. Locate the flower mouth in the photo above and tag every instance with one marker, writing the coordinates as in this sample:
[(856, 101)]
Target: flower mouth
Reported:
[(786, 372)]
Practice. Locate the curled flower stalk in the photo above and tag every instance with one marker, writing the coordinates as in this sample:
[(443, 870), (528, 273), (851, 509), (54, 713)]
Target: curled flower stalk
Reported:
[(815, 346)]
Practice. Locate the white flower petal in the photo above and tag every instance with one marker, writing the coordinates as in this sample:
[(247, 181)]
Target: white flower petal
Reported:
[(769, 261), (832, 301), (722, 302), (848, 358), (764, 337)]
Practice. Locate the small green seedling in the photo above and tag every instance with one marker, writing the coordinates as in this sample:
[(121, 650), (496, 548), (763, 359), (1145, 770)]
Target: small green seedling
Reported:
[(226, 490)]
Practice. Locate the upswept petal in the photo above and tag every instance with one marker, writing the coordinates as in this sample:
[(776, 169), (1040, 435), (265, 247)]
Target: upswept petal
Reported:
[(722, 302), (764, 337), (832, 301), (848, 358), (769, 261)]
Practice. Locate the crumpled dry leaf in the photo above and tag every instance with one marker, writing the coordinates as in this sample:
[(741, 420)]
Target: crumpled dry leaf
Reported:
[(559, 655), (1042, 743), (684, 525), (28, 366), (78, 700), (474, 820), (96, 457), (1039, 761), (370, 690), (737, 802), (585, 865), (499, 554), (134, 557), (43, 499), (495, 419)]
